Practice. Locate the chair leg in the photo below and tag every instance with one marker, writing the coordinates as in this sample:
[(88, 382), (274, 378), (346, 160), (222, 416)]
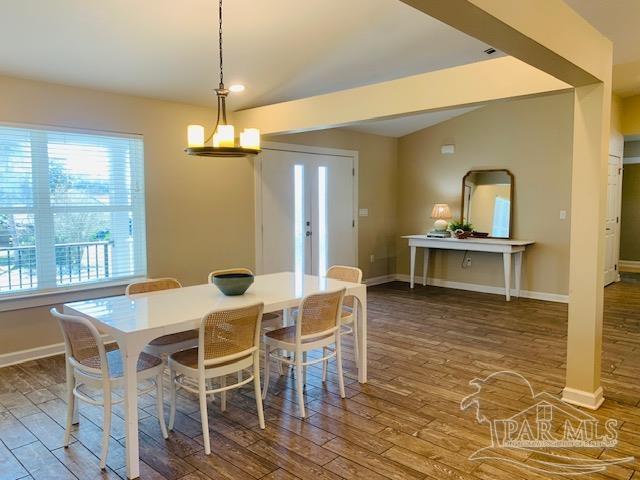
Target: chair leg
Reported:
[(71, 404), (339, 364), (204, 416), (223, 394), (160, 406), (304, 369), (325, 364), (239, 376), (172, 406), (256, 389), (106, 428), (299, 385), (267, 368)]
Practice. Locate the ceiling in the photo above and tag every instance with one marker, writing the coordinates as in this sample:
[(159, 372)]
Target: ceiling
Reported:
[(280, 49), (401, 126), (619, 20)]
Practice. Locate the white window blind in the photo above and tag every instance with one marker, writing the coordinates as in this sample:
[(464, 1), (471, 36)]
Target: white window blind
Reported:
[(71, 209)]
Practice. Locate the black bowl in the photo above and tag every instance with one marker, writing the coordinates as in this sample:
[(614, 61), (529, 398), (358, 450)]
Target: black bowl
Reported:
[(233, 283)]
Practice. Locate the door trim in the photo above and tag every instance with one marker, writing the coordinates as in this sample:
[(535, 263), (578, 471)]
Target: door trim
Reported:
[(290, 147), (617, 233)]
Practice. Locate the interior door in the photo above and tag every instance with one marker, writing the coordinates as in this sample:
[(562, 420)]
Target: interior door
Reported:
[(307, 212), (612, 222)]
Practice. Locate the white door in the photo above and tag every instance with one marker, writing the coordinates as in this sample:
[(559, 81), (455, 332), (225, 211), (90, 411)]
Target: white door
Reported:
[(612, 221), (306, 217)]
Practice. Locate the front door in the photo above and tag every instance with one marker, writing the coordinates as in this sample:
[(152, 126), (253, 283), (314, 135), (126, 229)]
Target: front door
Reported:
[(307, 211)]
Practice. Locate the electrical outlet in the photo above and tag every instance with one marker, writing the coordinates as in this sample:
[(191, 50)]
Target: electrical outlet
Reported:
[(372, 258), (467, 262)]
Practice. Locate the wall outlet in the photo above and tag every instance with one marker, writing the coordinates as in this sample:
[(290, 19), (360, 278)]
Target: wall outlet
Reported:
[(372, 258), (563, 214), (467, 262)]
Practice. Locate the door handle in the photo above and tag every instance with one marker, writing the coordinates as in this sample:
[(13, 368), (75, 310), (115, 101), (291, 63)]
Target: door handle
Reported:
[(308, 234)]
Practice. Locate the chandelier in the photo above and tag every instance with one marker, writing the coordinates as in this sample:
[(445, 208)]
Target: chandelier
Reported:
[(222, 141)]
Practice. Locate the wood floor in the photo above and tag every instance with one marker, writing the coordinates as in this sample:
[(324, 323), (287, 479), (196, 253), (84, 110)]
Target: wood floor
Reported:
[(406, 423)]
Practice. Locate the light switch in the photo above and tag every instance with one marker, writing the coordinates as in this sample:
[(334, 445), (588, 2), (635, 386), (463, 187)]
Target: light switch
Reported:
[(363, 212), (563, 214)]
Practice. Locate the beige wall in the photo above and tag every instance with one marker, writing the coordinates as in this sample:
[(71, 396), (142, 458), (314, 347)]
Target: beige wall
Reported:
[(632, 149), (377, 191), (631, 115), (533, 139), (199, 210), (630, 218)]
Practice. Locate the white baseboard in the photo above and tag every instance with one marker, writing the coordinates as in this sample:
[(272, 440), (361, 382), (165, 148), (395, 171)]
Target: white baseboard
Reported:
[(380, 280), (21, 356), (581, 398), (473, 287), (630, 266)]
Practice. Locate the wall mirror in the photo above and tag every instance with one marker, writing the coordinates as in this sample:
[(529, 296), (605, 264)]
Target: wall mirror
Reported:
[(487, 201)]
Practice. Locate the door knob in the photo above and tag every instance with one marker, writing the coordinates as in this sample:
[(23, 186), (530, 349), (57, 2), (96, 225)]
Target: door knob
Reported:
[(308, 234)]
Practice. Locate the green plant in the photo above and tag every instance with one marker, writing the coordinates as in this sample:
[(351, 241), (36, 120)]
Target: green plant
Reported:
[(464, 226)]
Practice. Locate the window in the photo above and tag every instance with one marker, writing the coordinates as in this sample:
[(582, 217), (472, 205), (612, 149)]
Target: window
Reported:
[(71, 209)]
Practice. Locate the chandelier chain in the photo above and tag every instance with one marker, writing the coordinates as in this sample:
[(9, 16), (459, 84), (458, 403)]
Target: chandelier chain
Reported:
[(220, 42)]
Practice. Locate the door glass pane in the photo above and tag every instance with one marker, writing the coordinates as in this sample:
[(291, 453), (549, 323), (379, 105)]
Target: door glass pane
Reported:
[(322, 221), (299, 230)]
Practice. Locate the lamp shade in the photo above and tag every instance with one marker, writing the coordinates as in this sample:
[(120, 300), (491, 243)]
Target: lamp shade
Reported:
[(441, 211)]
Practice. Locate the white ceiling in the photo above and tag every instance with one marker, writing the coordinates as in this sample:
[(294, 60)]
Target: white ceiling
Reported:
[(401, 126), (280, 49), (619, 20)]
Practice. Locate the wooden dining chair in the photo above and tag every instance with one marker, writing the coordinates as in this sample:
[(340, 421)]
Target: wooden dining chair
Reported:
[(348, 319), (89, 364), (165, 344), (317, 326), (228, 343)]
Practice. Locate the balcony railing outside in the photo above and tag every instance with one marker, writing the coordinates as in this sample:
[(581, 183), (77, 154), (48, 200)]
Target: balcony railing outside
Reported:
[(75, 263)]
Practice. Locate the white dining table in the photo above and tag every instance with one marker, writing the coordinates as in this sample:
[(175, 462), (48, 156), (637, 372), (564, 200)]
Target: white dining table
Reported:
[(133, 321)]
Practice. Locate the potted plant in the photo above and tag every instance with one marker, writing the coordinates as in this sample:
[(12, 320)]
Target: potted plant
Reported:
[(461, 229)]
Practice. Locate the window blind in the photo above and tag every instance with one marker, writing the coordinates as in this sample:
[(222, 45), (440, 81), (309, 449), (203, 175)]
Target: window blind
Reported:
[(71, 208)]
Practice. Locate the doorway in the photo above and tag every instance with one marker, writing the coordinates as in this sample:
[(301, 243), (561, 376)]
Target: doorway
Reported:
[(630, 214), (306, 205)]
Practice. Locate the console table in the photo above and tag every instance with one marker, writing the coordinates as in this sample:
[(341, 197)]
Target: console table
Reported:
[(496, 245)]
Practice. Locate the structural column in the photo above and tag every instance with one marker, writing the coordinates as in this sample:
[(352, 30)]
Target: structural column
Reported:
[(586, 276)]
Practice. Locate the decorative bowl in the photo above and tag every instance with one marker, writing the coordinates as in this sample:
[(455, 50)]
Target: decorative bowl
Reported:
[(233, 283), (462, 234)]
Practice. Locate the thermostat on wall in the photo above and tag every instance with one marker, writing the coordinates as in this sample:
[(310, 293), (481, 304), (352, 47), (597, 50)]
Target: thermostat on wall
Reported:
[(448, 149)]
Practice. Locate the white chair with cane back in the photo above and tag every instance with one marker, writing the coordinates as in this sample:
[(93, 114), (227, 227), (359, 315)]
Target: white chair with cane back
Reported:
[(89, 364), (228, 343)]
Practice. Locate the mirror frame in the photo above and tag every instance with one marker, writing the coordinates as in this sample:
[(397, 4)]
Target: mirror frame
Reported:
[(513, 179)]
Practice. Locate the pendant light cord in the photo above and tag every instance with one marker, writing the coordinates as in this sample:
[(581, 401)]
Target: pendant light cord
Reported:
[(220, 42)]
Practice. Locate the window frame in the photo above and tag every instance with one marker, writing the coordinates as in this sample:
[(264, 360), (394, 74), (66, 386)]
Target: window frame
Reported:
[(44, 211)]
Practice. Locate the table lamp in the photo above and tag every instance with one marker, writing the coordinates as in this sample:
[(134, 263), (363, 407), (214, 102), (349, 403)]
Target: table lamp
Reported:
[(441, 214)]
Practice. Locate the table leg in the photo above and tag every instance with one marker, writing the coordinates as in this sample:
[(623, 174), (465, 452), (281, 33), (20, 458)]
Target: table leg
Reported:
[(361, 318), (425, 266), (412, 267), (506, 259), (130, 353), (518, 272)]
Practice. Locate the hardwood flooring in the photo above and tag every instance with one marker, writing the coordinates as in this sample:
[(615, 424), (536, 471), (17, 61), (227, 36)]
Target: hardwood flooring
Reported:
[(406, 423)]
